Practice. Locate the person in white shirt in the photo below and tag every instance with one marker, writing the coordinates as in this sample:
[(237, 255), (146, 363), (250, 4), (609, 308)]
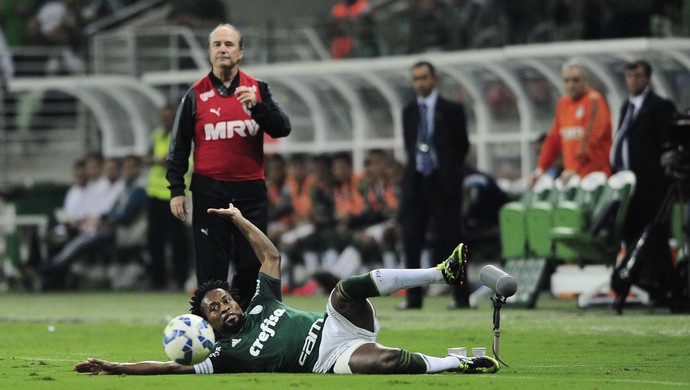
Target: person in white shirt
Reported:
[(102, 193)]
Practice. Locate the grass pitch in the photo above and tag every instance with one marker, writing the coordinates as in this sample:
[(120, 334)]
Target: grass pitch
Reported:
[(555, 346)]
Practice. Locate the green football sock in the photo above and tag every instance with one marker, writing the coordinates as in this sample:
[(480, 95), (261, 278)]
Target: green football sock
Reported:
[(410, 363), (358, 287)]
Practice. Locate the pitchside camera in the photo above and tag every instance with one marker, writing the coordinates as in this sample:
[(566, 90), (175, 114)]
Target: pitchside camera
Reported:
[(678, 164), (680, 132)]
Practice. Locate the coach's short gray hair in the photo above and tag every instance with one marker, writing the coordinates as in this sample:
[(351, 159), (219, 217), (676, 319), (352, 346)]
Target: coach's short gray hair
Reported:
[(230, 26), (574, 63)]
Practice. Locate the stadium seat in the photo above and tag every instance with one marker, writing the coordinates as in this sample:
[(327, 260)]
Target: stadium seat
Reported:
[(600, 241), (576, 212), (512, 219), (539, 217)]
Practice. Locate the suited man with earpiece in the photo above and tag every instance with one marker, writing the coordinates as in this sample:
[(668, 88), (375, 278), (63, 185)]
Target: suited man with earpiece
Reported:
[(436, 144)]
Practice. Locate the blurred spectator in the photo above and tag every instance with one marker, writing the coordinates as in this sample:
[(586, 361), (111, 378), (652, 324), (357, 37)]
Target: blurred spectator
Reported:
[(321, 194), (163, 227), (522, 16), (58, 23), (197, 13), (477, 24), (349, 203), (348, 249), (427, 23), (279, 208), (329, 251), (380, 187), (372, 187), (369, 42), (558, 25), (293, 207), (6, 64), (91, 194), (626, 19), (73, 207), (302, 246), (104, 187), (296, 206), (591, 16), (482, 200), (14, 17), (125, 222), (92, 10), (684, 16), (298, 185), (346, 17), (65, 222)]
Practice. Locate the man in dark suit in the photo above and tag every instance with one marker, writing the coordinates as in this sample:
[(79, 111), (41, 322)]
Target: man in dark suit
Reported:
[(436, 145), (640, 143)]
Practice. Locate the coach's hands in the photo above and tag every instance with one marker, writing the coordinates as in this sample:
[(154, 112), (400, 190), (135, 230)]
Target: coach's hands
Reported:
[(178, 207), (246, 96), (96, 367)]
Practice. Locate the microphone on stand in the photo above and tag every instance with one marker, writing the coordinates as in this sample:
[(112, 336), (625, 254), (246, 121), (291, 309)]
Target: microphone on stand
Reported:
[(504, 285), (498, 281)]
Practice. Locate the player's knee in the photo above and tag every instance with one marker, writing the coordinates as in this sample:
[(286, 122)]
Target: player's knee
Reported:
[(376, 360), (388, 361)]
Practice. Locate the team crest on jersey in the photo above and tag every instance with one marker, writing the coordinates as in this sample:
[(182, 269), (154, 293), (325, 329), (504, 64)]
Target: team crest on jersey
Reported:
[(207, 95), (257, 309), (580, 112)]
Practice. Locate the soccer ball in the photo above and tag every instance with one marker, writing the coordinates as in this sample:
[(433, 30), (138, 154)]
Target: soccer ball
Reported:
[(188, 339)]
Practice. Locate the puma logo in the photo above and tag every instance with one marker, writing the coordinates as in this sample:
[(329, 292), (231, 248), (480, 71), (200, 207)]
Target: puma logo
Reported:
[(216, 111), (205, 231)]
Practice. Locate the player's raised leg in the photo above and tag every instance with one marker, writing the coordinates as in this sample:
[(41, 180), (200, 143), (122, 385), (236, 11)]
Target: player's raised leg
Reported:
[(382, 282)]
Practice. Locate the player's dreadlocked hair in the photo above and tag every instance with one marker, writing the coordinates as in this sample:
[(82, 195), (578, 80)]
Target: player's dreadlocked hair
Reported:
[(201, 291)]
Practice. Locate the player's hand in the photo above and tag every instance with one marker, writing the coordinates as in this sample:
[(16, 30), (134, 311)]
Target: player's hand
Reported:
[(231, 212), (533, 177), (178, 207), (566, 175), (96, 367), (246, 96)]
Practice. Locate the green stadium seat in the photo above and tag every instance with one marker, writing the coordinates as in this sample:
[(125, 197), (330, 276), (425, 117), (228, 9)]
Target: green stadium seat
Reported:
[(576, 213), (539, 218), (599, 241), (512, 219)]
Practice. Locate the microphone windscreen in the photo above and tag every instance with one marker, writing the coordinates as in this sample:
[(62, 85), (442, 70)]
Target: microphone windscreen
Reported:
[(500, 282)]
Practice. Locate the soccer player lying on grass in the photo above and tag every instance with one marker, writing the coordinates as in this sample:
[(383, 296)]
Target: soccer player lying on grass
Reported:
[(273, 337)]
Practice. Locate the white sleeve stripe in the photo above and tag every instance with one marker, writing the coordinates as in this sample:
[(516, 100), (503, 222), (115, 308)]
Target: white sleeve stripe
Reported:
[(205, 367)]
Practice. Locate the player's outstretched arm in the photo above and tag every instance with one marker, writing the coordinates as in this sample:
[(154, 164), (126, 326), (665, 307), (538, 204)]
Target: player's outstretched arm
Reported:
[(264, 249), (103, 367)]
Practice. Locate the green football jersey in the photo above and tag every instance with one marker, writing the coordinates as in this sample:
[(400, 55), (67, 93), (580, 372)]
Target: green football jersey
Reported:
[(274, 338)]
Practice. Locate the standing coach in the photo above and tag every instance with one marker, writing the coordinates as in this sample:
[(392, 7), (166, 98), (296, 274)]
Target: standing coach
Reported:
[(225, 116)]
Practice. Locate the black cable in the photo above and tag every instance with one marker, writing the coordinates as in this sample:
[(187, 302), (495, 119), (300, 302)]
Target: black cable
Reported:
[(498, 302)]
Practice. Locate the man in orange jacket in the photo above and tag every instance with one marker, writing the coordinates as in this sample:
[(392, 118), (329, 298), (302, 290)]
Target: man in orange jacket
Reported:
[(581, 130)]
